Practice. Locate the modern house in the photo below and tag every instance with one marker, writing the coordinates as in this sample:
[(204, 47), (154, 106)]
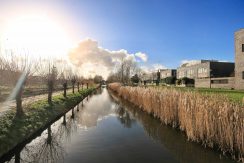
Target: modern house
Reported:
[(164, 73), (206, 69), (149, 77), (213, 73), (208, 73), (235, 80), (239, 59)]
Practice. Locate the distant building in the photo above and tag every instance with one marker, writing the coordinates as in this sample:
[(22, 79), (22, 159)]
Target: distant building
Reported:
[(222, 82), (164, 73), (239, 59), (235, 80), (206, 69), (212, 73), (150, 76)]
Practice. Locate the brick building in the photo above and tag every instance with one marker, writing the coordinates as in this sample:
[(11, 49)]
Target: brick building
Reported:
[(212, 73), (239, 59), (164, 73), (233, 81), (206, 69)]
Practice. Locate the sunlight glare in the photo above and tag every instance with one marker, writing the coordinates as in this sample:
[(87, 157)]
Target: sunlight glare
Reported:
[(38, 34)]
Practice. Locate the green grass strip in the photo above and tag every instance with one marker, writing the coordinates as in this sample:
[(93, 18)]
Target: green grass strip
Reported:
[(234, 95), (14, 130)]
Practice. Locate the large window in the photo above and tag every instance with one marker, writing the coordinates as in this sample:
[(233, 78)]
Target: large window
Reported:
[(189, 73), (242, 47), (220, 81), (202, 70)]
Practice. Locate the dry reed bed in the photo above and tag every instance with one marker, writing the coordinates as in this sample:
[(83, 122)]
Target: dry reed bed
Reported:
[(211, 120)]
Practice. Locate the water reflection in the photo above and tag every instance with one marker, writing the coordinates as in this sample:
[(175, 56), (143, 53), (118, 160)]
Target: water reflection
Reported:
[(99, 108), (50, 146), (124, 117), (175, 141), (108, 129)]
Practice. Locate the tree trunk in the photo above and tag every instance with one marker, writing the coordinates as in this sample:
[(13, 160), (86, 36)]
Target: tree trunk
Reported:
[(50, 91), (73, 114), (73, 88), (17, 157), (86, 85), (49, 135), (65, 89), (50, 97), (78, 86), (64, 119), (65, 94), (19, 107)]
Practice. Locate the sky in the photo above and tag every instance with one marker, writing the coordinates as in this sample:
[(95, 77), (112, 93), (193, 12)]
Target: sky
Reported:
[(167, 32)]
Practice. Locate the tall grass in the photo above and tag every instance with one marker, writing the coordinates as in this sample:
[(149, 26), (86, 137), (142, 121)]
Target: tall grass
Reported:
[(212, 120)]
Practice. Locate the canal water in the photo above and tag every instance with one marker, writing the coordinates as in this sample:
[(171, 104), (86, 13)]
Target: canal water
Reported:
[(104, 128)]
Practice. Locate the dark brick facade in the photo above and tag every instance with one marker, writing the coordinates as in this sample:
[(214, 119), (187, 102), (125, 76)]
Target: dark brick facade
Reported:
[(239, 59), (207, 69)]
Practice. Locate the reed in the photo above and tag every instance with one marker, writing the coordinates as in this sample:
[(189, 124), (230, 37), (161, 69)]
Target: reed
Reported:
[(210, 119)]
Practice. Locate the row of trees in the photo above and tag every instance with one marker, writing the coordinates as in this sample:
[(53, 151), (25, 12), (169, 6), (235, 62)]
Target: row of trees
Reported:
[(129, 73), (20, 71), (124, 72)]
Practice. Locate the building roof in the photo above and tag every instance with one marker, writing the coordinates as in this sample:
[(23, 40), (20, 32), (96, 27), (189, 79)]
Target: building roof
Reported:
[(196, 62)]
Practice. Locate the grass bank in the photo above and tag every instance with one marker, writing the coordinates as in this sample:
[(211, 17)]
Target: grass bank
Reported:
[(212, 120), (234, 95), (14, 130)]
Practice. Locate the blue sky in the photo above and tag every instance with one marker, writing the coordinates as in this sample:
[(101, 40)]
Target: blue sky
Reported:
[(168, 31)]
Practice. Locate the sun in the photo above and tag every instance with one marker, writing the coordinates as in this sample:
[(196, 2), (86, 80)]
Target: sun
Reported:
[(38, 34)]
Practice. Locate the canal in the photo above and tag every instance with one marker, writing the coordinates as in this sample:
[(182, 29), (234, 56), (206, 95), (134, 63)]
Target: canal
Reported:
[(104, 128)]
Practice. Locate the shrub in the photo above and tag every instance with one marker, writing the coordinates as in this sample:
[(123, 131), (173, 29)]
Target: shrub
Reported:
[(170, 80), (135, 79), (178, 82), (186, 81)]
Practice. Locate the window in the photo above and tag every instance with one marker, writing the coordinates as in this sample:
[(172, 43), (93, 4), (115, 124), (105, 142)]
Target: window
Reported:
[(220, 81), (242, 47), (242, 74), (189, 73), (181, 74), (202, 70)]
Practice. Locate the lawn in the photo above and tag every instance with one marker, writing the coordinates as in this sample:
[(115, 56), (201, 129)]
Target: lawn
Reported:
[(5, 91), (233, 95)]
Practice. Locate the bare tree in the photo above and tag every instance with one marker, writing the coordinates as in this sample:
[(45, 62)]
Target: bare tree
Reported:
[(65, 71), (64, 83), (51, 77), (97, 79), (49, 73), (21, 66), (124, 71), (73, 81)]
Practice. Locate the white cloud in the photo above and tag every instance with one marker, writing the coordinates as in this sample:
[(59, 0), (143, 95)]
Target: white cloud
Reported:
[(141, 56), (189, 62), (223, 61), (94, 60), (152, 68), (158, 66)]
